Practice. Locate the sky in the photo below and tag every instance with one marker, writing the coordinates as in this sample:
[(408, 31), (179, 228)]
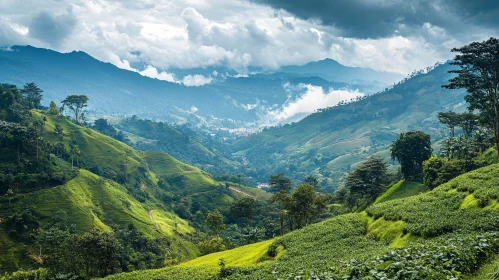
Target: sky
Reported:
[(153, 36)]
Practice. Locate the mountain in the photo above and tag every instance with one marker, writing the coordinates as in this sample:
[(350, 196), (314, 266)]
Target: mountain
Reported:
[(450, 232), (330, 142), (228, 101), (332, 70)]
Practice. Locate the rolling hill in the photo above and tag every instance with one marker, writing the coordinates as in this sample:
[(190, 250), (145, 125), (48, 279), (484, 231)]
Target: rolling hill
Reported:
[(330, 142)]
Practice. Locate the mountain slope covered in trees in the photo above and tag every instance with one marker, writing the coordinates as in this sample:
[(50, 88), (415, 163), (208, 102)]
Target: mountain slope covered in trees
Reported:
[(332, 141)]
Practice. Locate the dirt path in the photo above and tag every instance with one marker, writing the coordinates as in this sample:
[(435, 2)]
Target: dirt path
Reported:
[(241, 192), (152, 220)]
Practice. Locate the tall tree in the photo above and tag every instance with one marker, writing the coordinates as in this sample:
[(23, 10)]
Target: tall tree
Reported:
[(303, 204), (278, 183), (32, 94), (215, 221), (478, 73), (76, 103), (411, 149), (53, 109), (468, 122), (367, 181), (243, 208), (450, 119)]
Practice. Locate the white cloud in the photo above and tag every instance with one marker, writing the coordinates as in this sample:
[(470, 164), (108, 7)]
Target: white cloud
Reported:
[(152, 72), (312, 99), (196, 80), (194, 109)]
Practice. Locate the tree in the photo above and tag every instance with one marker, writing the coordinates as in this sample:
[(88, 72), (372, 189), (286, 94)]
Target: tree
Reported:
[(278, 183), (32, 94), (478, 73), (367, 181), (76, 103), (411, 149), (468, 122), (303, 203), (53, 109), (215, 221), (450, 119), (243, 208), (93, 254)]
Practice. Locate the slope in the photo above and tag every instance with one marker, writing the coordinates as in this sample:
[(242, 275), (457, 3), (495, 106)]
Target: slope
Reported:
[(331, 141), (123, 187), (161, 137), (394, 238)]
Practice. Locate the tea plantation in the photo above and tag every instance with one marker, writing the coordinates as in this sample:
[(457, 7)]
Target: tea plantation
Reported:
[(450, 232)]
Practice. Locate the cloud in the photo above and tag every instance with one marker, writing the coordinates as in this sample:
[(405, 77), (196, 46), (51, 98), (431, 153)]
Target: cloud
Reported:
[(313, 98), (389, 35), (386, 18), (196, 80), (152, 72), (50, 28)]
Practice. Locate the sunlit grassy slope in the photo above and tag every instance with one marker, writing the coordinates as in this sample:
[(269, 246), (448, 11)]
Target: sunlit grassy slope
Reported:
[(401, 189), (430, 221)]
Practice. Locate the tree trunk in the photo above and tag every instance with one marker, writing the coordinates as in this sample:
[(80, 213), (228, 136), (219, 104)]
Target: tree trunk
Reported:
[(281, 218)]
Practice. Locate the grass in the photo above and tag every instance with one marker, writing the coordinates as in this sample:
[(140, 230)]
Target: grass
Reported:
[(401, 189), (240, 256)]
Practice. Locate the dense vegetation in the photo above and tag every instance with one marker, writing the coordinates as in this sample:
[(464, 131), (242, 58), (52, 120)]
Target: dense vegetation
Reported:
[(149, 206)]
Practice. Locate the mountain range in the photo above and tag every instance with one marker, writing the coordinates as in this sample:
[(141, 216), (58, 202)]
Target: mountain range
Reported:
[(228, 101)]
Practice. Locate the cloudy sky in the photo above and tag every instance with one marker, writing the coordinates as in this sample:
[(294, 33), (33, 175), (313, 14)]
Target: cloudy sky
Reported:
[(155, 35)]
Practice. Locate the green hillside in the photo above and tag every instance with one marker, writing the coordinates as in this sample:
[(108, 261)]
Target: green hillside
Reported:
[(157, 136), (401, 189), (332, 141), (448, 232), (115, 188)]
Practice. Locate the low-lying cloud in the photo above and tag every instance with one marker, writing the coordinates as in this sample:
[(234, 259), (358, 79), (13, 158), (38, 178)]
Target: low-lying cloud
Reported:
[(196, 80), (189, 80), (311, 100)]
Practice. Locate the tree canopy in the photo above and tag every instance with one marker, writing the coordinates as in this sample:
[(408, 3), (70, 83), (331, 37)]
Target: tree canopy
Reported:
[(478, 73), (76, 103), (411, 149), (32, 94)]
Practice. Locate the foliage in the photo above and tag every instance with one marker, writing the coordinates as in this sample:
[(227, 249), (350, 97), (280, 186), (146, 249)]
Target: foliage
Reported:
[(450, 119), (102, 126), (437, 171), (279, 183), (215, 221), (216, 244), (32, 94), (76, 103), (411, 149), (479, 69), (366, 182)]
